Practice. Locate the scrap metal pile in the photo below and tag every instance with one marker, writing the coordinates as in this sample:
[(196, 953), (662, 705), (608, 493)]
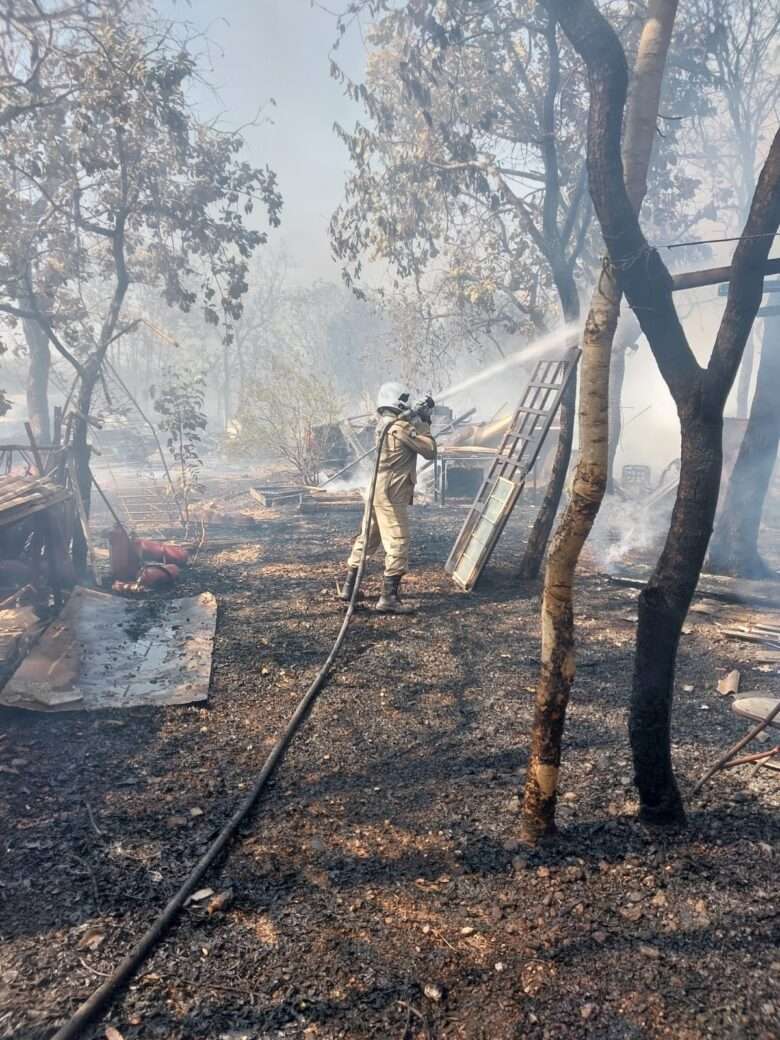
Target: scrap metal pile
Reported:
[(64, 646)]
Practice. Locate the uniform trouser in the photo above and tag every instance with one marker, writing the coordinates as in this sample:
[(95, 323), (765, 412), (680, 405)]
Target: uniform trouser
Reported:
[(390, 527)]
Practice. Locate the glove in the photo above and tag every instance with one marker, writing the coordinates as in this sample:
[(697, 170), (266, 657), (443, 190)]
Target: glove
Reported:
[(424, 408)]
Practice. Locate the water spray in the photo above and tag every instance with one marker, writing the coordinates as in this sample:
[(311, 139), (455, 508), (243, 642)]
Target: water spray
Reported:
[(561, 339)]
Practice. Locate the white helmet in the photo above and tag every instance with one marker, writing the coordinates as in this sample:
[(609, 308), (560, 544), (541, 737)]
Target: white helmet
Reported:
[(392, 395)]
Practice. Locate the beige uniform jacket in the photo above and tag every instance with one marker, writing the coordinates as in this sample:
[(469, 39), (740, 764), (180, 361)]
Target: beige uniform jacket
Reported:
[(397, 473), (395, 482)]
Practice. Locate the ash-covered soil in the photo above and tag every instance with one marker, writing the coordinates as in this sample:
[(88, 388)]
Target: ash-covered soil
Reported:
[(380, 890)]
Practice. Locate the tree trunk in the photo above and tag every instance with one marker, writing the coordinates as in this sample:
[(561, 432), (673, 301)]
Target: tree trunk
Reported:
[(81, 455), (38, 380), (590, 477), (626, 335), (663, 606), (699, 393), (226, 388), (743, 380), (563, 277), (39, 365), (734, 548), (617, 372), (558, 662), (539, 536)]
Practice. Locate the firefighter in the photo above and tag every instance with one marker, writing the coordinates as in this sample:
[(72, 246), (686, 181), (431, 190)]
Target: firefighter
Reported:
[(409, 437)]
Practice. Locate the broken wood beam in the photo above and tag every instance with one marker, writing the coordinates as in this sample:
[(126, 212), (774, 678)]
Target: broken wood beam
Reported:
[(11, 602), (714, 276)]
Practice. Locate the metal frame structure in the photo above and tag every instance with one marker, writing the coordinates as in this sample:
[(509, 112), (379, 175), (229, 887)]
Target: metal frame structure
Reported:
[(509, 469)]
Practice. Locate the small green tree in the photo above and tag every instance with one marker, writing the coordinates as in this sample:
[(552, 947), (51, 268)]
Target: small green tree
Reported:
[(179, 404)]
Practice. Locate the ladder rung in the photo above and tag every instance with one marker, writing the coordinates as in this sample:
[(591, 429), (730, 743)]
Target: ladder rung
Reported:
[(523, 411), (527, 438), (518, 436)]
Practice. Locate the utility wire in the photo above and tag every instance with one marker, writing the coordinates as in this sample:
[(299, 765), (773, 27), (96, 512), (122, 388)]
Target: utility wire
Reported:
[(711, 241)]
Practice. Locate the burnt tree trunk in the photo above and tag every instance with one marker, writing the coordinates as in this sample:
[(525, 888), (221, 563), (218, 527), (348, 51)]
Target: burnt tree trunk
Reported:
[(558, 657), (539, 536), (663, 606), (734, 548), (558, 654), (562, 267), (39, 366)]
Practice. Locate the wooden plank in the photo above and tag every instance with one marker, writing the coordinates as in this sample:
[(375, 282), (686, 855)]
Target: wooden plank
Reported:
[(714, 275), (727, 590), (15, 515), (268, 498), (320, 505), (83, 518)]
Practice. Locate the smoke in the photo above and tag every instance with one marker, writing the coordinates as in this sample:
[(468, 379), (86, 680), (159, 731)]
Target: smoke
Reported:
[(356, 480), (628, 532)]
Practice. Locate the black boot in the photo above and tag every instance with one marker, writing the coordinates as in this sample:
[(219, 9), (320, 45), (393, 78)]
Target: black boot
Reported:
[(390, 602), (345, 591)]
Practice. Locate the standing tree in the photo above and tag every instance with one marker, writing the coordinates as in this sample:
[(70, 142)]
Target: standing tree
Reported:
[(179, 404), (734, 548), (33, 36), (699, 393), (739, 45), (471, 172), (141, 193), (280, 413), (593, 465), (256, 331)]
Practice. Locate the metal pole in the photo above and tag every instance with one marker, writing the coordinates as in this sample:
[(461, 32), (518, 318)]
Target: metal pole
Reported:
[(720, 763)]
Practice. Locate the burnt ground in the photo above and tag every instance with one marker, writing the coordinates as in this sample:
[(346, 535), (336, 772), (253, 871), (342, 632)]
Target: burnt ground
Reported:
[(380, 891)]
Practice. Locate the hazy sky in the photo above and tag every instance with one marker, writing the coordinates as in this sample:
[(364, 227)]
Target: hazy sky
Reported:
[(264, 49)]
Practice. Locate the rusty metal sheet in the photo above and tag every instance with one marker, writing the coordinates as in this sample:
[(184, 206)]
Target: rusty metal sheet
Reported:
[(107, 652)]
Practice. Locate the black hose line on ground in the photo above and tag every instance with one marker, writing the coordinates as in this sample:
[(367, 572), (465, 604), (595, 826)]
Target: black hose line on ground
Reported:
[(129, 965)]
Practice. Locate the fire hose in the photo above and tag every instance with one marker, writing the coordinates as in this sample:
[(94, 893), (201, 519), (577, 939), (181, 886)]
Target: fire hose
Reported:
[(100, 999)]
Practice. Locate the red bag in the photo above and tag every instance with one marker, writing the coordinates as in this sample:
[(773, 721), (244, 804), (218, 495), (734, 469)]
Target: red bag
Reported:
[(154, 575), (161, 552)]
